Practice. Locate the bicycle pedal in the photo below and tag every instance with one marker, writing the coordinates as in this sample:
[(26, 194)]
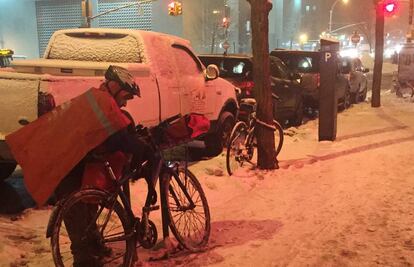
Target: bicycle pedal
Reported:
[(151, 208)]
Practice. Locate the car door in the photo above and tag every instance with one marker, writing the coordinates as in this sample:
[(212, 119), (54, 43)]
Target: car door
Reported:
[(196, 94), (283, 87)]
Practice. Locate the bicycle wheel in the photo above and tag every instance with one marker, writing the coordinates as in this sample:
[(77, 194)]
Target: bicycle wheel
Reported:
[(278, 137), (188, 211), (236, 147), (100, 227)]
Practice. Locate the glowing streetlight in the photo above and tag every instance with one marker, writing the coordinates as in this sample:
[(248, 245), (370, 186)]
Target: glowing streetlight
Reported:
[(331, 11), (303, 38)]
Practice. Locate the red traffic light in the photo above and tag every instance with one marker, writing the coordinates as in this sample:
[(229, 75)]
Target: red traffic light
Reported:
[(175, 8), (390, 7)]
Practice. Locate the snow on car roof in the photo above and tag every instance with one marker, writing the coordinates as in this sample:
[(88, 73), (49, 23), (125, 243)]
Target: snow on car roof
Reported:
[(115, 45)]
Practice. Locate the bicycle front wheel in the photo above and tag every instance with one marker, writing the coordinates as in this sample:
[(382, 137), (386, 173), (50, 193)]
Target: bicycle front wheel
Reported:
[(188, 211), (89, 228), (236, 147)]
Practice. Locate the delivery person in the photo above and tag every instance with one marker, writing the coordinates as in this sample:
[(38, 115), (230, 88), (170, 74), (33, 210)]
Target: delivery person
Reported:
[(120, 85)]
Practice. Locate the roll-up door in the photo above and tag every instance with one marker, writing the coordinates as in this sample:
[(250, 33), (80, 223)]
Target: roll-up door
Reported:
[(54, 15)]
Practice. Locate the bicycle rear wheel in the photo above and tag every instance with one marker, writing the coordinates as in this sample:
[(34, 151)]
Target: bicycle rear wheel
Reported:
[(278, 137), (98, 227), (188, 211), (236, 147)]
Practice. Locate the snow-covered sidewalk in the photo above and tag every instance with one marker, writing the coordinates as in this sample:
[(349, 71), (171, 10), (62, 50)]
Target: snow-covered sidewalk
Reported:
[(343, 203)]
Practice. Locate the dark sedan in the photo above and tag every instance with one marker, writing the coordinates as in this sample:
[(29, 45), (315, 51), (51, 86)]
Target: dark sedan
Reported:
[(238, 69), (306, 63)]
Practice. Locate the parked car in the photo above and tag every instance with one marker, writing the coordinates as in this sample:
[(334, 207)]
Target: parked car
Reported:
[(76, 60), (306, 63), (238, 69), (356, 74)]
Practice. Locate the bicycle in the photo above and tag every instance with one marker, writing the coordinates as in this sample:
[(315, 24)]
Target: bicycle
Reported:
[(117, 232), (242, 141)]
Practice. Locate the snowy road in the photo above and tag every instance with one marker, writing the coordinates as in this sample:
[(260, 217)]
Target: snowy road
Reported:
[(342, 203)]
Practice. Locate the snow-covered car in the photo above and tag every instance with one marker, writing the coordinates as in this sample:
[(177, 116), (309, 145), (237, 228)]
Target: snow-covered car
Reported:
[(358, 81), (171, 78)]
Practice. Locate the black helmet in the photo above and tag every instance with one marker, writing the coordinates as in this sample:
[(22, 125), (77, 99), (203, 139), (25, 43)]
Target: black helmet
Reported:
[(124, 78)]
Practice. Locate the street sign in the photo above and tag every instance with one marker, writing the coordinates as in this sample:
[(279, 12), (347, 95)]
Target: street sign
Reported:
[(355, 38)]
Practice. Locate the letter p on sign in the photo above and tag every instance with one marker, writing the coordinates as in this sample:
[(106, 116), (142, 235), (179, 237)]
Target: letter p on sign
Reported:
[(327, 56)]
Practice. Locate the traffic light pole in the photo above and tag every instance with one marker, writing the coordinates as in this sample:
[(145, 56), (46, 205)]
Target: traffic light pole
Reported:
[(86, 11), (379, 51)]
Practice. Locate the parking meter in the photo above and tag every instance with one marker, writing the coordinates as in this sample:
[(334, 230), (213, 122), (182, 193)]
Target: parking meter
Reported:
[(328, 103)]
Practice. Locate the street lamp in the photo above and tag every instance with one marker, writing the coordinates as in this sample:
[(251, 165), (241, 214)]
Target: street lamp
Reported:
[(330, 13)]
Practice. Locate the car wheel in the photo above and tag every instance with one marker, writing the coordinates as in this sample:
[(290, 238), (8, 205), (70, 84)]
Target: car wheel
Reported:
[(226, 123), (6, 169), (297, 120), (363, 96)]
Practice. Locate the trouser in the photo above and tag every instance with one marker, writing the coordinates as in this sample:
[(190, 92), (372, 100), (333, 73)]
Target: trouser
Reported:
[(78, 220)]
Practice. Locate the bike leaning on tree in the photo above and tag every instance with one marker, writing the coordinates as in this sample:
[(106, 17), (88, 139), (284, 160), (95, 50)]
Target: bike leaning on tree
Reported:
[(242, 143)]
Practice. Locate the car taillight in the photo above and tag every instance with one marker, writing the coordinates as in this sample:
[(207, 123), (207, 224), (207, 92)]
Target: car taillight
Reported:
[(46, 103), (247, 86)]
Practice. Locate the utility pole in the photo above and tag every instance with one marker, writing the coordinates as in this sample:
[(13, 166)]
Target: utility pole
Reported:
[(379, 51), (266, 158)]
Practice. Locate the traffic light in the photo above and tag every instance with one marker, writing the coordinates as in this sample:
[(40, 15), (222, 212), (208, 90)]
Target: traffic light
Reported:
[(390, 7), (226, 19), (175, 8), (225, 23)]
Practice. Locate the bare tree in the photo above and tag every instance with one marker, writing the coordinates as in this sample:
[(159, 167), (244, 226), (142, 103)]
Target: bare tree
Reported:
[(261, 72)]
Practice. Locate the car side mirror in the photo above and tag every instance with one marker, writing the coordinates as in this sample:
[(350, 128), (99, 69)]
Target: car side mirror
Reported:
[(212, 72), (365, 70)]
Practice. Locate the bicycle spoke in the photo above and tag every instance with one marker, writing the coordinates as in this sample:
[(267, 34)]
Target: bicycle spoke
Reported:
[(107, 225)]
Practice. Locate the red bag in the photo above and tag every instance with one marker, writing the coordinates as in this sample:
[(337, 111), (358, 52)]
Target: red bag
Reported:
[(185, 129), (96, 175), (49, 147)]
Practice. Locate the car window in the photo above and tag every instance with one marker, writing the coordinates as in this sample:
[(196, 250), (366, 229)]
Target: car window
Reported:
[(186, 63), (304, 64), (299, 62), (357, 64), (229, 67), (278, 69)]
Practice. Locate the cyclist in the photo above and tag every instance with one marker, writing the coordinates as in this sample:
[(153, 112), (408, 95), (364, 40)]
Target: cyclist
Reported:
[(87, 250)]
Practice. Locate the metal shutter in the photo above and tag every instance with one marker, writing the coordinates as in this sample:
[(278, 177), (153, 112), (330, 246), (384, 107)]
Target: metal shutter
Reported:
[(54, 15), (125, 18)]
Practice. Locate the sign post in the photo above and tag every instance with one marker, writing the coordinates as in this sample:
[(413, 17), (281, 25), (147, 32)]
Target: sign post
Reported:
[(328, 103)]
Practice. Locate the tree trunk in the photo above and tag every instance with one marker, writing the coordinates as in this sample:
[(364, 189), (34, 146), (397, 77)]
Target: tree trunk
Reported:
[(261, 72), (379, 50)]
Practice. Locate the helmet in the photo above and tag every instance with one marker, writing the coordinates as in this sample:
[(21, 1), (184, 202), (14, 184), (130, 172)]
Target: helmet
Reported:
[(124, 78)]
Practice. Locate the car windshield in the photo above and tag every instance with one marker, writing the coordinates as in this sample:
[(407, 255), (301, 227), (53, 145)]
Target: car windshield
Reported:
[(229, 67), (298, 62)]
